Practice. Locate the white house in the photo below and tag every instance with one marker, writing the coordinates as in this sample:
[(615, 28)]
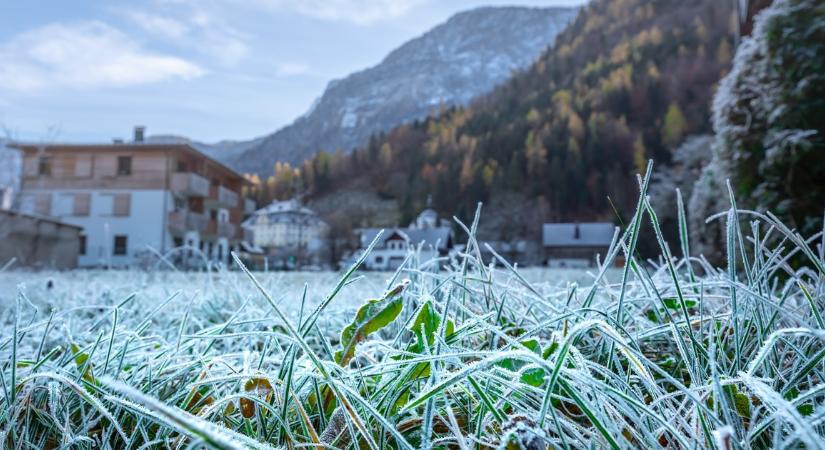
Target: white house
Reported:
[(291, 234), (434, 239)]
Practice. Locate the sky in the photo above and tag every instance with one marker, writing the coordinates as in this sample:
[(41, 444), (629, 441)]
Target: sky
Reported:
[(206, 69)]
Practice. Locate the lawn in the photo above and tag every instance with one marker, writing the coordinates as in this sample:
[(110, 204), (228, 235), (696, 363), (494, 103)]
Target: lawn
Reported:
[(677, 354)]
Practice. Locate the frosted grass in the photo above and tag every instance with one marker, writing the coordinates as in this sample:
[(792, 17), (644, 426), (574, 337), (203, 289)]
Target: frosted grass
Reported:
[(696, 357)]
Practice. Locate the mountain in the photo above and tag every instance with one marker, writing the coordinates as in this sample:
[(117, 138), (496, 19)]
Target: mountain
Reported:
[(451, 64), (222, 150), (628, 80)]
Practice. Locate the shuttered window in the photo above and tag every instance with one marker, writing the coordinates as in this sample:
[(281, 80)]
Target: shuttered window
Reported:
[(82, 204), (67, 166), (43, 204), (83, 166), (121, 205)]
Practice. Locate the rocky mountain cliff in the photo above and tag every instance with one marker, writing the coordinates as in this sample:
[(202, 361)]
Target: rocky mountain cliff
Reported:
[(451, 64)]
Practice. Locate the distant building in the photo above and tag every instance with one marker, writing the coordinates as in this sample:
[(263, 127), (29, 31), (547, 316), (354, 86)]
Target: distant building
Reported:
[(131, 196), (41, 242), (433, 236), (576, 244), (291, 235), (10, 162)]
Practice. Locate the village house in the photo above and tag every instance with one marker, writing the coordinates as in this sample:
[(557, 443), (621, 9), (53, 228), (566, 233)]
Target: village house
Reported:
[(433, 237), (576, 244), (133, 199), (290, 234), (39, 242)]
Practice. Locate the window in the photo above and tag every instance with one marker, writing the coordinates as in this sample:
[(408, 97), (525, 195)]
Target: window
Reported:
[(82, 247), (177, 242), (82, 205), (121, 205), (69, 166), (181, 166), (124, 165), (379, 259), (44, 166), (121, 245)]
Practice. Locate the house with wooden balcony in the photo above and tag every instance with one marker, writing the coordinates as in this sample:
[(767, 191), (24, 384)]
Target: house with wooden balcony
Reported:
[(137, 199)]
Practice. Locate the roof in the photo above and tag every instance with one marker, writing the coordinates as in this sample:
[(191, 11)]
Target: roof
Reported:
[(39, 218), (286, 208), (592, 234), (180, 146), (428, 236)]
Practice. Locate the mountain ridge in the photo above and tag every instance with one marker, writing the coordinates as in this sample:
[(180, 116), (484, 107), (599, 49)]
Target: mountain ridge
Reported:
[(451, 64)]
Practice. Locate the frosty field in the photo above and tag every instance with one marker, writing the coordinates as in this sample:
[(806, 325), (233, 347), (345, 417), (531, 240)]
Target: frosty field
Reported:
[(85, 293), (671, 353)]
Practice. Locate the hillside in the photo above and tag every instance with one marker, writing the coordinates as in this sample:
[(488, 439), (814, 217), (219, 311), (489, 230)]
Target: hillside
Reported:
[(451, 64), (628, 80)]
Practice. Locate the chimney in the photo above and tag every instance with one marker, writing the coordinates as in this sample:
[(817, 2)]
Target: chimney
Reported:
[(139, 131)]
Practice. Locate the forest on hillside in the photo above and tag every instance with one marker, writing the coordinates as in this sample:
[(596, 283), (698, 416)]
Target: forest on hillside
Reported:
[(626, 82)]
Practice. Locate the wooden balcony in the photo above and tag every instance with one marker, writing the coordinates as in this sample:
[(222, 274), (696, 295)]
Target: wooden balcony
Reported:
[(190, 184), (222, 197)]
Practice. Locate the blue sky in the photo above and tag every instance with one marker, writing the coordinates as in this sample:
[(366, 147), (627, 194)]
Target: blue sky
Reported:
[(207, 69)]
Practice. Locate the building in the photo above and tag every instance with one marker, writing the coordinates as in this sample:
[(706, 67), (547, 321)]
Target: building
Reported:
[(137, 198), (10, 162), (291, 235), (576, 244), (40, 242), (433, 237)]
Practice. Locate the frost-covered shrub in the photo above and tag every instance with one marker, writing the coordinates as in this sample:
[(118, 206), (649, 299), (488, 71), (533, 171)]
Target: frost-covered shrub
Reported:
[(769, 115)]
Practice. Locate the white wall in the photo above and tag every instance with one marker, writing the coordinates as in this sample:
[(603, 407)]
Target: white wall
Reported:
[(385, 255), (145, 226), (11, 166)]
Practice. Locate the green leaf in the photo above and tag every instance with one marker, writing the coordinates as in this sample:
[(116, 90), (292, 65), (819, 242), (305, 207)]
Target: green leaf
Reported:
[(371, 317), (550, 350), (806, 409), (427, 317), (512, 364), (80, 360), (673, 303), (533, 376)]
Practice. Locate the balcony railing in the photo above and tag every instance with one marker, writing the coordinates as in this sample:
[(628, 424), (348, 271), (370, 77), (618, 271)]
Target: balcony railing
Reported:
[(183, 221), (249, 206), (223, 197), (190, 184), (227, 197)]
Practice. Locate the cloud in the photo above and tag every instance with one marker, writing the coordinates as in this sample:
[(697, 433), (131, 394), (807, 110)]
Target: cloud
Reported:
[(288, 69), (84, 55), (196, 30), (361, 12), (159, 25)]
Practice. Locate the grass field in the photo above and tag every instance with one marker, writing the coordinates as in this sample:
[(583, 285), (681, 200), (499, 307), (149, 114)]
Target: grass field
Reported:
[(677, 355)]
